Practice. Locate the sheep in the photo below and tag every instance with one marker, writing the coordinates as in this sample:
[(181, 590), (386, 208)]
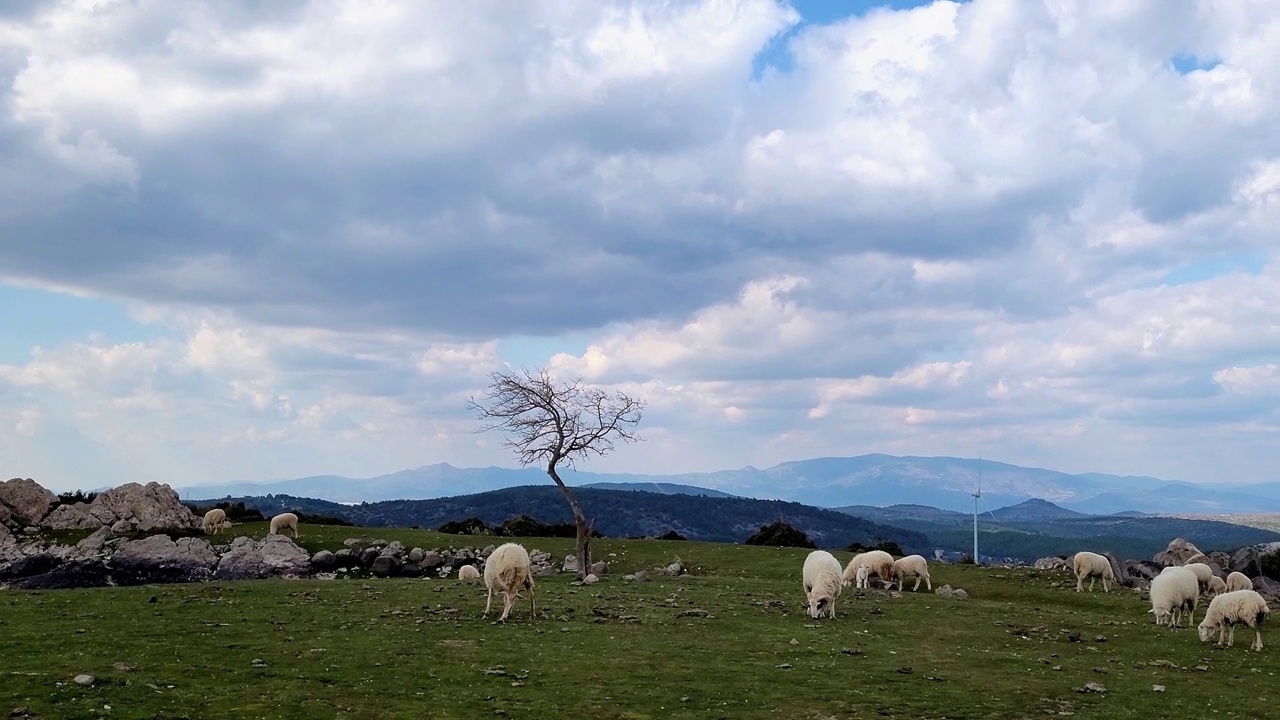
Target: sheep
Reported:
[(1092, 565), (215, 521), (914, 565), (1174, 591), (864, 570), (1217, 586), (468, 572), (1238, 581), (282, 521), (822, 582), (508, 570), (1203, 573), (880, 561), (1238, 607)]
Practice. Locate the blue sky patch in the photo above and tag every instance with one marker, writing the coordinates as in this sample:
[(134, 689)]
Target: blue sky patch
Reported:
[(1211, 268), (776, 54), (1188, 62), (46, 318)]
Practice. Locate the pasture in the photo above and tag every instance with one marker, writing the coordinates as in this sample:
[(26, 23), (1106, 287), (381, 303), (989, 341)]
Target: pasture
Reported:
[(728, 640)]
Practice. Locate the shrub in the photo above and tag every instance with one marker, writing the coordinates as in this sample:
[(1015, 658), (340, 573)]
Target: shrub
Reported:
[(672, 535), (79, 496), (526, 526), (470, 526), (309, 519), (888, 546), (780, 533)]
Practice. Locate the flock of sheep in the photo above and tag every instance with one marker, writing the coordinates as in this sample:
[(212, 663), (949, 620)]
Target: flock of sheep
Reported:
[(823, 577), (1176, 592)]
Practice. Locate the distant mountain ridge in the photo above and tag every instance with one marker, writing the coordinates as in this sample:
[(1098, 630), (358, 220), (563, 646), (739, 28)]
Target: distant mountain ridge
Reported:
[(875, 480)]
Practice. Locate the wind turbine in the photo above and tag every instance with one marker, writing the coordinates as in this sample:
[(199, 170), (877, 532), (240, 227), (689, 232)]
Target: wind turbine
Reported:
[(976, 494)]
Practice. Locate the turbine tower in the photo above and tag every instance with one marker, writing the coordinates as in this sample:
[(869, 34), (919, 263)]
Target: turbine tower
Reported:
[(976, 494)]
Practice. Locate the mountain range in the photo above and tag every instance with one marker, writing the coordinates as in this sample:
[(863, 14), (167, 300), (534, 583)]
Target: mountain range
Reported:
[(945, 483)]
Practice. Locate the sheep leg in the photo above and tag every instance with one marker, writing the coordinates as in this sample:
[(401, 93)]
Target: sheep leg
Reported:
[(487, 601), (1231, 635), (1092, 580), (1257, 640), (533, 610), (917, 587), (1079, 583), (507, 602)]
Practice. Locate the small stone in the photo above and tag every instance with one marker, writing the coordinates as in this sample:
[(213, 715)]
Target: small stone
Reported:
[(1157, 688), (784, 666), (124, 667), (83, 680), (1202, 668), (1100, 638), (1093, 687)]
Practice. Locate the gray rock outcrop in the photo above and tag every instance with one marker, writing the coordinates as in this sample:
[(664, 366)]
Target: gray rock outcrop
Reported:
[(158, 559), (150, 507), (272, 556), (71, 517), (24, 502), (1176, 553)]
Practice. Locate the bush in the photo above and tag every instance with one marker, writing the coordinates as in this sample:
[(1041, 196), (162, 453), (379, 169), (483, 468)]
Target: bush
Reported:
[(236, 512), (888, 546), (526, 526), (309, 519), (1269, 565), (672, 535), (470, 526), (79, 496), (780, 533)]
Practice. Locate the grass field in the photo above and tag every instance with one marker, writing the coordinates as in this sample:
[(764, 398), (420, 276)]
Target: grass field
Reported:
[(730, 640)]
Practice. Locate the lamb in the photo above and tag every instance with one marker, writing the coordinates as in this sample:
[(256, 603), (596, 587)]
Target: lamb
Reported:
[(881, 564), (282, 521), (1174, 591), (215, 521), (508, 570), (468, 572), (1217, 586), (822, 582), (864, 571), (1238, 607), (913, 565), (1092, 565), (1203, 573), (1238, 581)]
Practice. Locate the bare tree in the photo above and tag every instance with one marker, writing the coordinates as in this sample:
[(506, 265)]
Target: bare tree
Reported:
[(558, 423)]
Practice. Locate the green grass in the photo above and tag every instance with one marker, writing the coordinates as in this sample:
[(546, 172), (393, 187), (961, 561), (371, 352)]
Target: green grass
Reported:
[(364, 648)]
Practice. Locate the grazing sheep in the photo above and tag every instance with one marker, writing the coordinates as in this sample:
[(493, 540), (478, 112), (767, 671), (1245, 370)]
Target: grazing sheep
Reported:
[(822, 582), (215, 521), (468, 572), (1173, 592), (508, 570), (1217, 586), (880, 561), (1238, 581), (863, 573), (912, 565), (1092, 565), (282, 521), (1203, 573), (1239, 607)]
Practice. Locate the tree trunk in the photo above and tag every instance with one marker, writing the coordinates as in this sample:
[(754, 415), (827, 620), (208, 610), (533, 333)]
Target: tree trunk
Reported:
[(579, 521)]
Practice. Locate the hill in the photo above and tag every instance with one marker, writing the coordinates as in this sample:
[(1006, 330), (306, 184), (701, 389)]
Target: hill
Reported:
[(659, 487), (618, 513)]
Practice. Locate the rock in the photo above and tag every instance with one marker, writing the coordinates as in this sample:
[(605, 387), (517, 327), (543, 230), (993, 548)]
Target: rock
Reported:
[(1266, 586), (272, 556), (959, 594), (536, 557), (46, 571), (944, 591), (1122, 578), (84, 680), (121, 527), (24, 502), (590, 579), (1247, 559), (345, 558), (324, 561), (488, 550), (124, 667), (1051, 563), (158, 559), (642, 576), (431, 560), (385, 565), (1141, 569), (598, 568), (570, 564), (395, 549), (546, 571), (462, 558), (1176, 553), (410, 570), (415, 555), (71, 517), (673, 569), (153, 506), (1093, 687), (93, 546), (368, 555)]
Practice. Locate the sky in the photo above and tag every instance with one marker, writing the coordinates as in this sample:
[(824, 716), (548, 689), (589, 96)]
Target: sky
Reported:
[(246, 241)]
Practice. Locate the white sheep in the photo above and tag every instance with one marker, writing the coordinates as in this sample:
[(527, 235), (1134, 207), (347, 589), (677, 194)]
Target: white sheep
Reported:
[(468, 572), (215, 521), (1203, 573), (915, 566), (508, 570), (282, 521), (880, 561), (1092, 565), (863, 573), (1174, 591), (822, 582), (1238, 581), (1217, 586), (1239, 607)]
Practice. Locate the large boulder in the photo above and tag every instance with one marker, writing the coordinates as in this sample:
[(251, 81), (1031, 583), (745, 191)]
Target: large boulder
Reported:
[(272, 556), (1144, 569), (151, 507), (1052, 563), (1176, 553), (72, 517), (159, 559), (1246, 559), (24, 502)]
